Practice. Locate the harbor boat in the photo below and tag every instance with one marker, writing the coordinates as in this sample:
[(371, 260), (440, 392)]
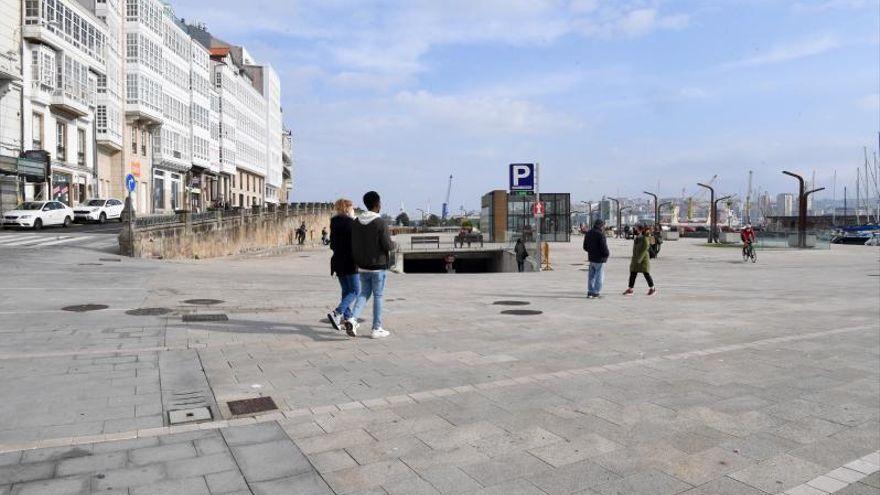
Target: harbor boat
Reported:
[(856, 234)]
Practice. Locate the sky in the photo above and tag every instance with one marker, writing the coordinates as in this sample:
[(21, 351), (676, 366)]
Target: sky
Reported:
[(611, 97)]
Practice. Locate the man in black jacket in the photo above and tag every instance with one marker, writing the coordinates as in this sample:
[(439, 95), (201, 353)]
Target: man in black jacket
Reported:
[(596, 247), (371, 246)]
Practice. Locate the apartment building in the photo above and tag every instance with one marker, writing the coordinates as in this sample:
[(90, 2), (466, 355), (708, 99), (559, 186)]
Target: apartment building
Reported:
[(10, 103), (117, 87), (144, 39), (64, 44), (109, 113)]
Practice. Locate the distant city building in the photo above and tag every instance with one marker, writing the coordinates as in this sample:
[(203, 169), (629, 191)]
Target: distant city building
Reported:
[(784, 204)]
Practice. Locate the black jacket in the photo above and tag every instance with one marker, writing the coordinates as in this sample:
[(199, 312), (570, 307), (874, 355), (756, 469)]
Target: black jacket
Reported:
[(371, 242), (342, 263), (596, 246), (520, 250)]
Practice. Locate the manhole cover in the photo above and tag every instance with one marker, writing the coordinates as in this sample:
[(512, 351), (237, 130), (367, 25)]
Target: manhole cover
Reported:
[(203, 302), (522, 312), (82, 308), (251, 406), (148, 311), (181, 416), (110, 259), (217, 317), (511, 303)]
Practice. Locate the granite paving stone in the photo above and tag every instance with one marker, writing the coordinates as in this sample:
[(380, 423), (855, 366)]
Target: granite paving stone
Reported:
[(270, 460), (589, 397)]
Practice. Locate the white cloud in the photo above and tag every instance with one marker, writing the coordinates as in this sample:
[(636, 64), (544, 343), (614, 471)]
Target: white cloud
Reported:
[(870, 102), (784, 53), (380, 45), (485, 115), (823, 6)]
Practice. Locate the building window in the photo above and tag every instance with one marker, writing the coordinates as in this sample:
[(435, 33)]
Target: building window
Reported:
[(61, 141), (134, 140), (158, 190), (81, 147), (144, 143), (37, 131)]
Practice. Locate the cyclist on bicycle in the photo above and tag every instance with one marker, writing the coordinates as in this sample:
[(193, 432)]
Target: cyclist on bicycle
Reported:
[(748, 238)]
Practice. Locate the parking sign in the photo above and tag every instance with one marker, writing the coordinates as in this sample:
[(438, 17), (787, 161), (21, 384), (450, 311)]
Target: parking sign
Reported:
[(522, 177)]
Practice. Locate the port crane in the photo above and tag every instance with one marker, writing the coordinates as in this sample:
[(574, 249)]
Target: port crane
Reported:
[(444, 213)]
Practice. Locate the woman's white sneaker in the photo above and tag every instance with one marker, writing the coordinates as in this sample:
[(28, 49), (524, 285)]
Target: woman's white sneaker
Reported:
[(351, 327), (379, 333)]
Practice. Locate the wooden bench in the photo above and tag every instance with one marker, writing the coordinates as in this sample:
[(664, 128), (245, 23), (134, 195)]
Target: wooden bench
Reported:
[(425, 240), (468, 237)]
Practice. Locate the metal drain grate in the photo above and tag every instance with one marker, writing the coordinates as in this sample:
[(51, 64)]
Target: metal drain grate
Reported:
[(181, 416), (522, 312), (511, 303), (251, 406), (203, 302), (216, 317), (110, 259), (148, 311), (82, 308), (90, 264)]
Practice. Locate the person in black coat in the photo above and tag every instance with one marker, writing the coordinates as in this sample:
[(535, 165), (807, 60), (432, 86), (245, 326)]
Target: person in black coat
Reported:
[(596, 246), (342, 263)]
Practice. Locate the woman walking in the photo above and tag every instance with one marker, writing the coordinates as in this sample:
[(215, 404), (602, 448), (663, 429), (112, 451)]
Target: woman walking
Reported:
[(640, 262), (342, 263)]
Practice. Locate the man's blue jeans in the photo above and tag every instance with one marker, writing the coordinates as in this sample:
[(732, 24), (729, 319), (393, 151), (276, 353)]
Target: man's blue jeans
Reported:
[(351, 287), (595, 278), (372, 284)]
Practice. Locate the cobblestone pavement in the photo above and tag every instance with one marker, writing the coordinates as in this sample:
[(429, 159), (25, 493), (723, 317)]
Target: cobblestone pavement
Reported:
[(737, 379)]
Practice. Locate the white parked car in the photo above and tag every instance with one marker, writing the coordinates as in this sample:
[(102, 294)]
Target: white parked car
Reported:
[(99, 210), (39, 214)]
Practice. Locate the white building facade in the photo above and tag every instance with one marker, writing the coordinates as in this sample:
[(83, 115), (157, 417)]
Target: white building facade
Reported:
[(107, 88), (64, 46)]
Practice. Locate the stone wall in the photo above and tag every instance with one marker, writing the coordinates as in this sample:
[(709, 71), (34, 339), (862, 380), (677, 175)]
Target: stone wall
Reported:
[(221, 233)]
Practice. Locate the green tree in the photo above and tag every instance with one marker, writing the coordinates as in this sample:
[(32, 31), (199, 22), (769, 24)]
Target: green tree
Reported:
[(432, 221), (402, 219)]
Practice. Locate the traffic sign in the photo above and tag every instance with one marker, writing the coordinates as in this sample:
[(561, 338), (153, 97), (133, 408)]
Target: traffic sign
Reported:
[(522, 177), (130, 183), (538, 209)]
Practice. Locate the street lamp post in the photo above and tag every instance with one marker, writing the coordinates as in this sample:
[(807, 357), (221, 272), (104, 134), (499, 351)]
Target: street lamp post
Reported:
[(715, 214), (802, 207), (712, 212), (656, 208)]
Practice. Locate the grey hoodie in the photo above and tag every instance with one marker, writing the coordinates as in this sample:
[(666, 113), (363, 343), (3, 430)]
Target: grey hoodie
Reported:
[(371, 242)]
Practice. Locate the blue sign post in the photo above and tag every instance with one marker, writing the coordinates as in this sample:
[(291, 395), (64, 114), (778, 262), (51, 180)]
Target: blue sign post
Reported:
[(130, 183), (522, 177)]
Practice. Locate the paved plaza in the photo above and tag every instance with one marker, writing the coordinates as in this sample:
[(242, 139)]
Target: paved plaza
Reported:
[(737, 379)]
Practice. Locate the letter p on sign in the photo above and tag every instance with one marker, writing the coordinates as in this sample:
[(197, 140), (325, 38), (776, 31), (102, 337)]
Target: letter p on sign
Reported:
[(522, 177)]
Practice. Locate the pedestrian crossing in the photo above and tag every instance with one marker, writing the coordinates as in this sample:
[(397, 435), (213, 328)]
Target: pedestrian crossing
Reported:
[(33, 240)]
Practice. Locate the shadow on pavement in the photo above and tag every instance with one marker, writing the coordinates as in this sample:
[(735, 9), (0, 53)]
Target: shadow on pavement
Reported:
[(317, 334)]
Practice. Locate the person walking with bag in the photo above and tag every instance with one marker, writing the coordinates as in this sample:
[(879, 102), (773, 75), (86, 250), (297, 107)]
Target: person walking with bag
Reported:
[(596, 246), (342, 263), (521, 254), (641, 262), (371, 247)]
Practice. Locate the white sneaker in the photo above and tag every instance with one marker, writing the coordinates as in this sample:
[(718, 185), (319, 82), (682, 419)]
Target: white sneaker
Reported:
[(379, 333), (335, 319), (351, 327)]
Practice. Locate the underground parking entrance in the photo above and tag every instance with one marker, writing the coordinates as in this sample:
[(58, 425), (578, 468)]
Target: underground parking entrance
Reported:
[(458, 261)]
